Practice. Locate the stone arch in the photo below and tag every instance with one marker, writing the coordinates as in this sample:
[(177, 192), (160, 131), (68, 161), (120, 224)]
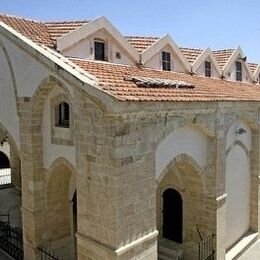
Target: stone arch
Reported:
[(13, 156), (238, 189), (36, 105), (178, 160), (185, 176), (43, 91), (244, 139), (241, 144), (4, 160), (4, 133), (185, 122), (238, 177), (70, 166), (60, 189), (2, 46), (187, 140)]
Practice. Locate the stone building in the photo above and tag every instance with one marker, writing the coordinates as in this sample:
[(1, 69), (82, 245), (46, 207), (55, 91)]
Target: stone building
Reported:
[(128, 147)]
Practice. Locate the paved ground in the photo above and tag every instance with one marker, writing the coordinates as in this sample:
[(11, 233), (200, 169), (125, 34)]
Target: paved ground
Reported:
[(10, 203), (253, 253), (3, 256)]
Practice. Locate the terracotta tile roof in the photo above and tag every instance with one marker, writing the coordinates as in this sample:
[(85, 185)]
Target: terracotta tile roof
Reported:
[(191, 54), (252, 66), (41, 32), (57, 29), (222, 56), (35, 31), (112, 80), (141, 43)]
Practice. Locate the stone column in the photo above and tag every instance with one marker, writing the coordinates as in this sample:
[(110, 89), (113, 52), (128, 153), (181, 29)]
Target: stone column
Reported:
[(115, 188), (220, 164), (32, 184), (15, 168), (255, 182)]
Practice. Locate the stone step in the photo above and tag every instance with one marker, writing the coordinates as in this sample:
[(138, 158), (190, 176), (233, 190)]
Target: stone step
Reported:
[(242, 245), (166, 253), (161, 257)]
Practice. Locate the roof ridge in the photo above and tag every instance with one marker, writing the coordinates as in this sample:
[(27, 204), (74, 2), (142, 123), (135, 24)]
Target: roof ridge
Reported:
[(42, 21), (20, 18), (228, 49), (192, 48), (138, 36), (66, 21), (252, 63)]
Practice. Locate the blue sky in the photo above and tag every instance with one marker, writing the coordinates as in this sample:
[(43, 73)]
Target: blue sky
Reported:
[(192, 23)]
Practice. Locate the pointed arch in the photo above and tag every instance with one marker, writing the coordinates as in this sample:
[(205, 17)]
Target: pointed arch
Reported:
[(187, 140), (43, 91), (61, 161)]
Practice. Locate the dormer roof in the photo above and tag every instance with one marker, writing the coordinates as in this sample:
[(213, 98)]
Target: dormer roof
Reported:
[(202, 57), (141, 43), (255, 69), (161, 43), (104, 79), (252, 67), (191, 54), (238, 53), (58, 29), (71, 38), (222, 56)]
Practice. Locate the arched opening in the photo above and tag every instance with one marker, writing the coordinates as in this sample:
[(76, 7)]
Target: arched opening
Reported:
[(238, 185), (172, 215), (10, 181), (183, 209), (62, 116), (5, 166), (4, 161), (61, 212), (75, 222)]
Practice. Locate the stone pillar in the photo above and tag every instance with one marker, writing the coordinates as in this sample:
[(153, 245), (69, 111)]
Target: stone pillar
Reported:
[(32, 184), (255, 182), (15, 168), (221, 227), (220, 166), (115, 188)]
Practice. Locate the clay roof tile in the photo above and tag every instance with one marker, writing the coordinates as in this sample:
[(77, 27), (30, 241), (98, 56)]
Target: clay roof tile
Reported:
[(113, 79)]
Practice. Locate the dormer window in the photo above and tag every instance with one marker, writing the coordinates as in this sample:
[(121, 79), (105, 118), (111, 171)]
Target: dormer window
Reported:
[(166, 61), (63, 115), (99, 49), (238, 71), (207, 68)]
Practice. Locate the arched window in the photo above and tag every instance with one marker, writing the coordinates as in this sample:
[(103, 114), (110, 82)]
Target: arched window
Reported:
[(172, 215), (63, 115)]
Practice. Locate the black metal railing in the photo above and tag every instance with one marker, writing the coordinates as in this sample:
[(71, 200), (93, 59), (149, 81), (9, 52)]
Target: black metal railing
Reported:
[(11, 239), (47, 254), (207, 248)]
